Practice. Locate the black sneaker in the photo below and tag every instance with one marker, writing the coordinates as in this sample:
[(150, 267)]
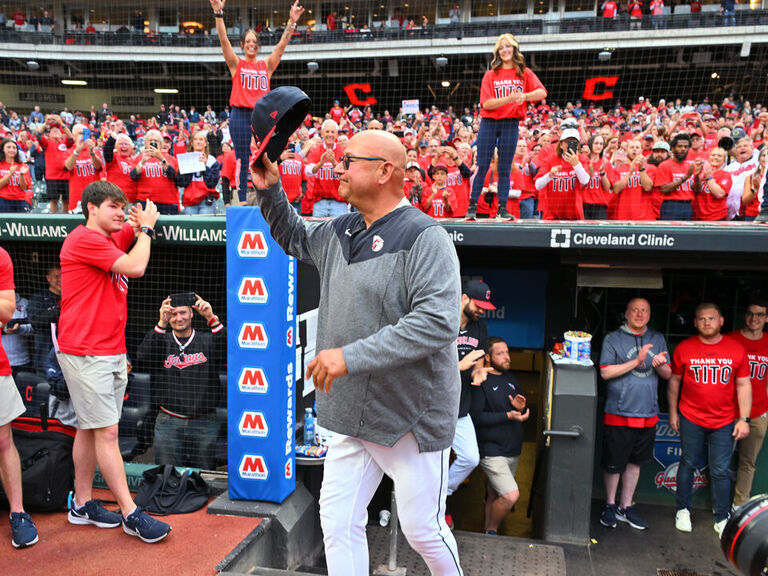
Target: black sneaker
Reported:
[(471, 212), (608, 517), (145, 527), (631, 517), (92, 512), (23, 530), (502, 214)]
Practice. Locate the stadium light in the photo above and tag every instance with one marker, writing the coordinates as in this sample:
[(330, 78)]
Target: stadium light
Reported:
[(166, 91), (445, 84), (604, 55), (33, 65), (313, 66), (68, 82), (441, 61), (715, 75)]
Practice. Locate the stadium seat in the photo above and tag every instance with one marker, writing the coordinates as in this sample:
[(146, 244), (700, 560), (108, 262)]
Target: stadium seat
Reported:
[(134, 421)]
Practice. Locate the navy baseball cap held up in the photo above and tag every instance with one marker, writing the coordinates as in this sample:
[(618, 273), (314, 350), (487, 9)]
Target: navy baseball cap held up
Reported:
[(275, 117), (480, 293)]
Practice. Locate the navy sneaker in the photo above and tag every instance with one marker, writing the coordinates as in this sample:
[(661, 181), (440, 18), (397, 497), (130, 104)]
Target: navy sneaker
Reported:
[(145, 527), (92, 512), (608, 517), (631, 517), (23, 530)]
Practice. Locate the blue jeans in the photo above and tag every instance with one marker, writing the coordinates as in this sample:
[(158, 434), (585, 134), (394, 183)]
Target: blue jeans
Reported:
[(327, 208), (13, 205), (240, 131), (501, 135), (692, 440), (528, 208), (186, 441), (200, 209), (676, 210)]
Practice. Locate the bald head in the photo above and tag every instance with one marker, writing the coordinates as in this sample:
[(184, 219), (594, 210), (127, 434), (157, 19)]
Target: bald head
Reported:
[(383, 144)]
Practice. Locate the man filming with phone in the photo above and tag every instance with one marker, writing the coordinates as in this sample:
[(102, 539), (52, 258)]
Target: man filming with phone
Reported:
[(185, 366)]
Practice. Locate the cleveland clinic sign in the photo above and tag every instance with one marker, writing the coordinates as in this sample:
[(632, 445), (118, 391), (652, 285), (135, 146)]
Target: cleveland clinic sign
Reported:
[(568, 238)]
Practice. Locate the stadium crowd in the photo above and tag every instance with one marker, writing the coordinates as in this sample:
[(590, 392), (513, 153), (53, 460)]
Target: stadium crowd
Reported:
[(645, 161)]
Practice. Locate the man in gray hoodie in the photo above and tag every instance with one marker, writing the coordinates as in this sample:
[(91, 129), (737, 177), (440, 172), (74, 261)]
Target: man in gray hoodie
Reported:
[(632, 359), (386, 373)]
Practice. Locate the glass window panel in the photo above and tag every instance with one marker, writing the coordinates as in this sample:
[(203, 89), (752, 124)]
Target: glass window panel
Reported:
[(580, 6), (507, 7), (167, 16), (540, 6), (196, 17), (416, 9), (444, 7)]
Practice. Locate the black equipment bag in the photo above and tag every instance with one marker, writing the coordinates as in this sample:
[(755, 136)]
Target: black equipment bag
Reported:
[(47, 470), (165, 490)]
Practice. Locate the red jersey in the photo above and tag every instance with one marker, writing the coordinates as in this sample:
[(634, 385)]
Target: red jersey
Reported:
[(291, 176), (154, 185), (6, 283), (337, 113), (119, 173), (563, 192), (326, 183), (460, 187), (438, 209), (55, 155), (710, 140), (593, 192), (632, 203), (709, 371), (93, 299), (609, 9), (13, 190), (503, 82), (757, 355), (671, 170), (656, 7), (228, 166), (706, 206), (250, 82), (82, 174), (636, 9)]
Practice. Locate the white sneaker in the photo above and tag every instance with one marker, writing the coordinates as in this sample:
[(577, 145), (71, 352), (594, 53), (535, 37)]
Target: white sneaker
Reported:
[(720, 526), (683, 520)]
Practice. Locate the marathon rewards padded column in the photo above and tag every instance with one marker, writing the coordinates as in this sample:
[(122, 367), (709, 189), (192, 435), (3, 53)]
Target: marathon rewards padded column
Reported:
[(261, 355)]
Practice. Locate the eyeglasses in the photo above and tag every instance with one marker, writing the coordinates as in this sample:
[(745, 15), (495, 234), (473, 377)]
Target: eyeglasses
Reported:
[(346, 159), (756, 314)]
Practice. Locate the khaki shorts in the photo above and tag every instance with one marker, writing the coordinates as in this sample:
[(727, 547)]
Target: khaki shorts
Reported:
[(96, 386), (500, 471), (11, 404)]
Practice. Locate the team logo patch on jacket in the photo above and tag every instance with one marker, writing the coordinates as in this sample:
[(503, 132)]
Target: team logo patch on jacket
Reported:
[(378, 243)]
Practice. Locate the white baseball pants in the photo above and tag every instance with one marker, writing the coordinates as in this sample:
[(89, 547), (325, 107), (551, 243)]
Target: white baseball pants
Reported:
[(467, 453), (353, 470)]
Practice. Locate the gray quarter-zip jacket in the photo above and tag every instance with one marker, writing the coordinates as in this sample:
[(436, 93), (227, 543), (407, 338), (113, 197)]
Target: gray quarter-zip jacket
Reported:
[(390, 298)]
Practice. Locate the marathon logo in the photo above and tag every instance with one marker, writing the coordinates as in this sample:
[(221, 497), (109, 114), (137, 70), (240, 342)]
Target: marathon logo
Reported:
[(252, 244), (566, 238), (253, 290), (253, 425), (667, 478), (288, 469), (253, 336), (289, 337), (253, 380), (253, 467)]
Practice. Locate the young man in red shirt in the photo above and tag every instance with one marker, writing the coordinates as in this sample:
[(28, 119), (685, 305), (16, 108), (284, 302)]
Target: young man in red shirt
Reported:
[(710, 399), (23, 530), (91, 348), (754, 339), (674, 180)]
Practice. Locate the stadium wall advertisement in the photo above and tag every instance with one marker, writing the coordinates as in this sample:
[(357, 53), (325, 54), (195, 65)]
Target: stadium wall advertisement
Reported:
[(261, 357)]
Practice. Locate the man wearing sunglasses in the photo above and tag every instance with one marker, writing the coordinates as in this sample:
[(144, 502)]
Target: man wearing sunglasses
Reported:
[(752, 336), (386, 374)]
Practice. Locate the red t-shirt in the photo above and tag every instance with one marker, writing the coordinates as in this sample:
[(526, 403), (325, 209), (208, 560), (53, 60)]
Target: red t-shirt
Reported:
[(636, 9), (632, 203), (82, 174), (337, 113), (562, 195), (503, 82), (250, 82), (119, 173), (154, 185), (326, 183), (593, 192), (609, 9), (757, 355), (460, 187), (228, 166), (671, 170), (13, 190), (93, 299), (6, 283), (55, 155), (706, 206), (709, 371), (438, 209), (291, 176)]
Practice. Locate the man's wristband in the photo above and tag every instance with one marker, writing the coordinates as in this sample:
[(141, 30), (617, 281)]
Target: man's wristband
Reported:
[(218, 14), (745, 419), (149, 231), (213, 321)]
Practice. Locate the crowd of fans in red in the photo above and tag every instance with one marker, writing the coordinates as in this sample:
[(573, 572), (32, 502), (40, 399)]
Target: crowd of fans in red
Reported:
[(647, 161)]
